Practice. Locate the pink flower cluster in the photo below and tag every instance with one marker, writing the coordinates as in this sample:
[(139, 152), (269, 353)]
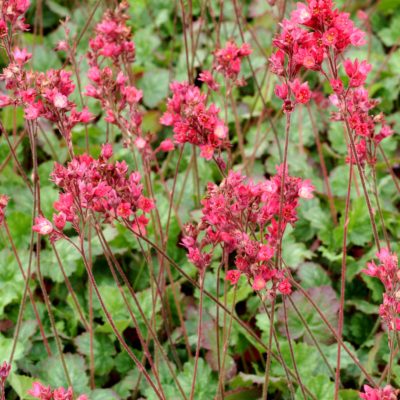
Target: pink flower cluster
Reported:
[(236, 214), (3, 205), (314, 30), (112, 50), (388, 273), (387, 393), (355, 106), (229, 61), (4, 372), (100, 186), (113, 37), (41, 392), (193, 122), (12, 16), (40, 94)]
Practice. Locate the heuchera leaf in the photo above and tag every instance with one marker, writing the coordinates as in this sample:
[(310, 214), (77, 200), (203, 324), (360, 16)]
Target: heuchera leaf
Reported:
[(325, 298)]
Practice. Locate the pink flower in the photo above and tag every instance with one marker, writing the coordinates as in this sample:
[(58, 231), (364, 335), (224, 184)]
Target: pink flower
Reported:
[(3, 205), (301, 91), (140, 143), (167, 119), (3, 28), (330, 37), (306, 189), (385, 132), (139, 225), (207, 152), (62, 45), (5, 369), (94, 74), (334, 99), (60, 101), (302, 14), (42, 226), (233, 276), (285, 287), (259, 283), (59, 220), (167, 145), (362, 15), (33, 111), (221, 131), (282, 91), (207, 78), (277, 61), (124, 210), (63, 394), (106, 151), (357, 38), (21, 56), (40, 391), (372, 269), (337, 86), (265, 253), (132, 94), (146, 204), (229, 59), (387, 393), (356, 71)]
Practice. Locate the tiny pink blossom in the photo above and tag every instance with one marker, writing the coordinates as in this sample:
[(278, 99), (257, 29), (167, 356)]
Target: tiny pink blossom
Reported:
[(32, 111), (387, 393), (285, 287), (362, 15), (221, 131), (60, 101), (132, 94), (233, 276), (140, 143), (282, 91), (207, 78), (106, 151), (146, 204), (167, 145), (306, 189), (42, 226), (59, 220), (40, 391), (62, 45), (259, 283), (21, 56), (301, 91)]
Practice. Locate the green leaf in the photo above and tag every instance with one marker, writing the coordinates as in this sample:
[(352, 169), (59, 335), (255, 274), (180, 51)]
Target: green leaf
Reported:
[(11, 280), (21, 384), (359, 226), (325, 298), (6, 345), (322, 387), (104, 394), (68, 256), (154, 84), (349, 394), (103, 351), (312, 275), (51, 372), (388, 5)]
